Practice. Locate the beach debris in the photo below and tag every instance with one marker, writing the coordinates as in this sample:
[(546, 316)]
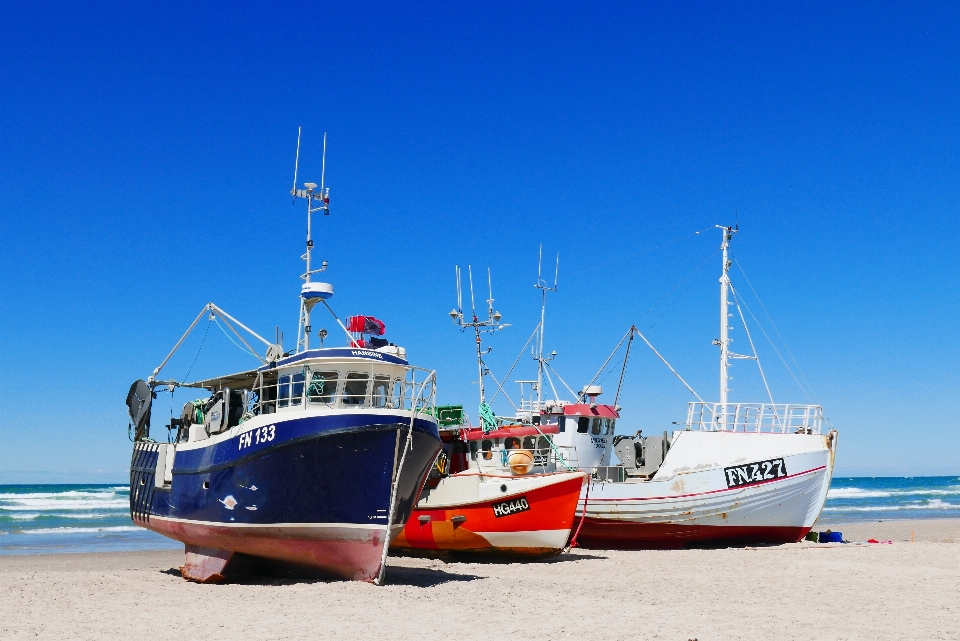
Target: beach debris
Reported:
[(880, 542), (830, 536)]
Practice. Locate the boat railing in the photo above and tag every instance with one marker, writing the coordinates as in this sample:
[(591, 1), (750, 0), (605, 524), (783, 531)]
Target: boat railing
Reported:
[(547, 457), (321, 389), (754, 417)]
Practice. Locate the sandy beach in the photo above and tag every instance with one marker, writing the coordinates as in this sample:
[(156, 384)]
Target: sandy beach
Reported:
[(902, 590)]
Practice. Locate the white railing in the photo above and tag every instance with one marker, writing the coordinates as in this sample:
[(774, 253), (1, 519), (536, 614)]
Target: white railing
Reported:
[(323, 387), (754, 417)]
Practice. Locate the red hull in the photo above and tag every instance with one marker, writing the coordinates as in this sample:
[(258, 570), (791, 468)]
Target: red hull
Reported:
[(602, 534), (468, 529), (337, 552)]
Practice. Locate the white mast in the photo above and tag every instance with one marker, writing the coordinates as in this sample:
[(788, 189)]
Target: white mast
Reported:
[(322, 197), (542, 286), (725, 314)]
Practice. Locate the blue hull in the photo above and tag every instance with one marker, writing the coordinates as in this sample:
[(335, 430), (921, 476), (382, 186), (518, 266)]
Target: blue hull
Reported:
[(331, 475)]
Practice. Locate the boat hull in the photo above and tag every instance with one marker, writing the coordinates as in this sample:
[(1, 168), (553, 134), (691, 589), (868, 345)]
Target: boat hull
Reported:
[(690, 502), (531, 519), (317, 495)]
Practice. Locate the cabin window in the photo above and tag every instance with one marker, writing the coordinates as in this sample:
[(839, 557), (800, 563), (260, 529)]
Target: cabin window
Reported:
[(529, 442), (511, 443), (583, 425), (283, 391), (380, 396), (561, 423), (296, 389), (595, 424), (535, 419), (610, 425), (355, 389), (474, 446), (323, 387), (486, 446)]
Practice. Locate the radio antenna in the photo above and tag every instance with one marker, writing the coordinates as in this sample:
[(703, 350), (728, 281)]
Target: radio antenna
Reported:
[(323, 162), (296, 163)]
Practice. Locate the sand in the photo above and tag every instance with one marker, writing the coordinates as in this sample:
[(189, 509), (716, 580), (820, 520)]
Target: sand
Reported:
[(902, 590)]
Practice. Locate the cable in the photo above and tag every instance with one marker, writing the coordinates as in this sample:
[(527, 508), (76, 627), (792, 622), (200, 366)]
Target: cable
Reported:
[(199, 348), (785, 345), (233, 341)]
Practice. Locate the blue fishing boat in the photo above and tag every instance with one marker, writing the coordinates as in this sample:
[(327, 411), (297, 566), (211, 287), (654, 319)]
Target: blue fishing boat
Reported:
[(313, 460)]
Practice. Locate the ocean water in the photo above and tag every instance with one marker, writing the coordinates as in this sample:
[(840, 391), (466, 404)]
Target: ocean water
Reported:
[(44, 519), (885, 498)]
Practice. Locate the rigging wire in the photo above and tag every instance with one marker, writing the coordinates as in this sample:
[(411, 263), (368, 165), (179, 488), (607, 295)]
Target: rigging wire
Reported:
[(522, 350), (187, 375), (244, 349), (650, 249), (572, 393), (785, 344), (736, 301), (695, 273), (782, 360)]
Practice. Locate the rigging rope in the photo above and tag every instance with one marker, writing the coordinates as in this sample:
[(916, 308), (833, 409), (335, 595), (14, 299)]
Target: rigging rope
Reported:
[(785, 345), (199, 348), (756, 357), (650, 249), (522, 349), (233, 341)]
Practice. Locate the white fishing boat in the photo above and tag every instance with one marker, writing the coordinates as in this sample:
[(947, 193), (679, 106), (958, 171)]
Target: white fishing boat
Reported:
[(736, 473)]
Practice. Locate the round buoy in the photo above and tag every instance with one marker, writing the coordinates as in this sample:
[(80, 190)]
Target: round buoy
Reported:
[(520, 462)]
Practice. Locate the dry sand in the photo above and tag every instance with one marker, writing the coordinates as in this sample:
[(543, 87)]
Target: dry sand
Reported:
[(802, 591)]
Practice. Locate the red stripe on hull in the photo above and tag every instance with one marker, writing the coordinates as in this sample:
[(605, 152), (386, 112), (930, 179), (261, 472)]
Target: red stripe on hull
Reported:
[(336, 552), (602, 534)]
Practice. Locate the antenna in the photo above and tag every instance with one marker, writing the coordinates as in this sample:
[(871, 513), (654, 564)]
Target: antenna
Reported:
[(296, 163), (459, 295), (323, 162), (542, 286), (473, 306), (487, 326)]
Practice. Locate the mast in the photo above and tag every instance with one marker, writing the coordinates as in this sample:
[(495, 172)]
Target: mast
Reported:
[(321, 197), (490, 325), (542, 286), (724, 341)]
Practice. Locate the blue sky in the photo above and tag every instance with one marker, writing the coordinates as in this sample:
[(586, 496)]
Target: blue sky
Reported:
[(146, 153)]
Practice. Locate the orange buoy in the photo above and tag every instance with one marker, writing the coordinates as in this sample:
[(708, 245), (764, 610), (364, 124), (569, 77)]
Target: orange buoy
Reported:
[(520, 462)]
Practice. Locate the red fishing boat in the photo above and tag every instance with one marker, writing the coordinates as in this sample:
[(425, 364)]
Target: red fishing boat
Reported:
[(495, 493)]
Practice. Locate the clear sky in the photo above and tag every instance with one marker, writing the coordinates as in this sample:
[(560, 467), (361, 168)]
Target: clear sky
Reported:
[(146, 153)]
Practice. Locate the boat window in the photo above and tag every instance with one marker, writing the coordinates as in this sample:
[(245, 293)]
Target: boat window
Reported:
[(474, 446), (543, 443), (380, 397), (535, 419), (529, 442), (355, 389), (397, 394), (283, 391), (296, 389), (595, 424), (610, 425), (323, 387), (561, 423), (511, 443), (583, 425), (486, 446)]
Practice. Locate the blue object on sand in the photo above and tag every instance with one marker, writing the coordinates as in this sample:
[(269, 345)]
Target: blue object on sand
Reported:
[(831, 537)]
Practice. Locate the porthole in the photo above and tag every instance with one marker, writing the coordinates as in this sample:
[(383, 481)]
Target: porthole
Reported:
[(503, 487), (206, 485)]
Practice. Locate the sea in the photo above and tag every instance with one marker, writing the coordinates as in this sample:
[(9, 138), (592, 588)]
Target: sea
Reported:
[(47, 519)]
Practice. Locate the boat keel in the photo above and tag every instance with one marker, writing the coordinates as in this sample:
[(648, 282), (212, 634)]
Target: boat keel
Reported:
[(204, 565)]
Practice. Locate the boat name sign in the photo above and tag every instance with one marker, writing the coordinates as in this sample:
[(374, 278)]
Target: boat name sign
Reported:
[(751, 473), (513, 506)]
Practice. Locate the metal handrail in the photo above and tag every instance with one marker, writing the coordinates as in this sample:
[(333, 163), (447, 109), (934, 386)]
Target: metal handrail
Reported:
[(401, 394), (755, 417)]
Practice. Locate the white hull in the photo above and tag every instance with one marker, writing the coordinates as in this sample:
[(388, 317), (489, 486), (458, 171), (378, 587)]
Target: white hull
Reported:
[(689, 500)]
